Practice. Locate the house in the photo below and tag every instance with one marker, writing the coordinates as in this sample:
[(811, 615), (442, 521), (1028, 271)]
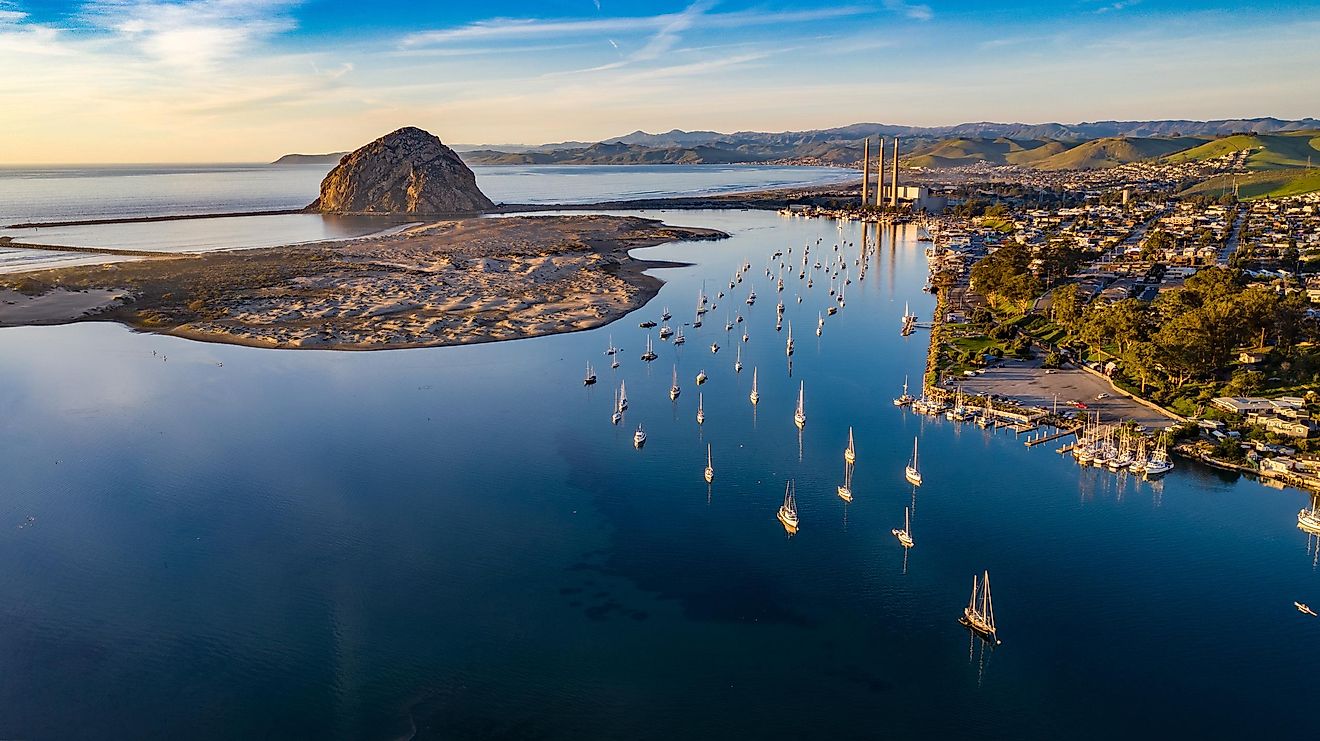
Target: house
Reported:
[(1244, 404), (1252, 357), (1278, 464)]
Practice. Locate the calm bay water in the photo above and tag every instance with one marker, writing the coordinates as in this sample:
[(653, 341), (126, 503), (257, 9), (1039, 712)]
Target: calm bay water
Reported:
[(234, 543)]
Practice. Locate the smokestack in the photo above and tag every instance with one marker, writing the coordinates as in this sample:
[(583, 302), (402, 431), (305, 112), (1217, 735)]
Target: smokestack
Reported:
[(880, 175), (866, 167), (893, 197)]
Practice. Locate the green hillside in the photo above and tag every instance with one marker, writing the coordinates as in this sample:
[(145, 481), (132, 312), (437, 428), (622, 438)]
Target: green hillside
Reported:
[(1271, 151), (1111, 152), (966, 151), (1267, 184)]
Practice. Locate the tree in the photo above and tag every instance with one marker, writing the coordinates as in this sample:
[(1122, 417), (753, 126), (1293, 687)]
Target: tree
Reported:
[(1066, 306)]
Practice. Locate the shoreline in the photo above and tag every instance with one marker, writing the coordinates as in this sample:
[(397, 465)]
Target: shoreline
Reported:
[(442, 283)]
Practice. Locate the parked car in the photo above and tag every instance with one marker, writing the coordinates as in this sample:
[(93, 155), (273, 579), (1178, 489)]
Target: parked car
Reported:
[(1102, 395)]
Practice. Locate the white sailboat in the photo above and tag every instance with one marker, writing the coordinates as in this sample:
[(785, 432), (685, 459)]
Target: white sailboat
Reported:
[(1159, 462), (788, 348), (617, 416), (850, 452), (623, 396), (714, 347), (701, 377), (905, 535), (906, 398), (979, 614), (701, 410), (710, 471), (649, 355), (820, 324), (912, 474), (754, 396), (737, 363), (800, 415), (639, 437), (679, 338), (788, 514), (1308, 520), (674, 390), (665, 331), (845, 489)]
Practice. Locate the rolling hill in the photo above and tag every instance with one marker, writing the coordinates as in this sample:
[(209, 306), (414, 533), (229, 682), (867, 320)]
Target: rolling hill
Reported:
[(1265, 184), (1269, 151), (1113, 151)]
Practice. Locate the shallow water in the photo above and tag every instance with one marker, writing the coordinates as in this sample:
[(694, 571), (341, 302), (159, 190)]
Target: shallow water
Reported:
[(233, 542)]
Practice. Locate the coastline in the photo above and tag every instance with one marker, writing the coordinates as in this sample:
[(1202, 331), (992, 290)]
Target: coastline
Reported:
[(442, 283)]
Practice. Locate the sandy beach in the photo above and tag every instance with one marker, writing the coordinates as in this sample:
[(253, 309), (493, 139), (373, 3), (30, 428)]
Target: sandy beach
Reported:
[(443, 283)]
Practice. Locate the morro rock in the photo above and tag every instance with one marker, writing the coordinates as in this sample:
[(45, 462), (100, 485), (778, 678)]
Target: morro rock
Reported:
[(408, 171)]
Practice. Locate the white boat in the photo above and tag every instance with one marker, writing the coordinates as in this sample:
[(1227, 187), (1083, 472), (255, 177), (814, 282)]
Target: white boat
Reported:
[(850, 452), (664, 317), (622, 403), (737, 362), (679, 338), (1304, 608), (905, 535), (649, 355), (912, 474), (751, 297), (1308, 520), (639, 437), (714, 347), (611, 350), (591, 376), (617, 416), (905, 398), (701, 377), (674, 390), (845, 489), (710, 471), (665, 331), (820, 324), (788, 514), (800, 415), (1159, 462), (696, 322), (744, 334), (788, 348), (979, 614), (754, 396), (701, 410)]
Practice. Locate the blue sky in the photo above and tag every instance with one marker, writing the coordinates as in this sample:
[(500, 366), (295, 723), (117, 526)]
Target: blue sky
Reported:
[(238, 80)]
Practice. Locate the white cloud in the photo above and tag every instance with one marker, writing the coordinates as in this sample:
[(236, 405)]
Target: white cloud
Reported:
[(191, 33), (914, 11)]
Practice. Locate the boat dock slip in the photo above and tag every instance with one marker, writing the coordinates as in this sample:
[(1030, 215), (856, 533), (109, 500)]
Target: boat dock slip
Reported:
[(1061, 433)]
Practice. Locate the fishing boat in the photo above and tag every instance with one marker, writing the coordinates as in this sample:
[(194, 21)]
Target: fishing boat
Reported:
[(788, 348), (850, 452), (649, 355), (639, 437), (1304, 608), (1159, 462), (737, 362), (800, 415), (912, 474), (591, 376), (679, 338), (788, 514), (1308, 520), (710, 471), (665, 331), (905, 535), (904, 399), (979, 615), (701, 410), (754, 396), (701, 376), (674, 390)]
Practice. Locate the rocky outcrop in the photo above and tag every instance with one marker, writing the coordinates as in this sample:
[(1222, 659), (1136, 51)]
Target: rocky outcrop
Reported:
[(408, 171)]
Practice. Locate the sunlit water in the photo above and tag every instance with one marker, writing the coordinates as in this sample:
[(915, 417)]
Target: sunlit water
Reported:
[(241, 543)]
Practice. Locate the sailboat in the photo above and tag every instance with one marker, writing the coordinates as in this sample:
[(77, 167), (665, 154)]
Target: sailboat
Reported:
[(1304, 609), (912, 474), (754, 396), (611, 350), (701, 410), (674, 390), (905, 535), (820, 324), (701, 377), (714, 347), (1308, 520), (665, 331), (789, 347), (617, 416), (728, 324), (788, 514), (979, 614), (800, 415), (751, 296), (906, 398), (614, 363), (649, 355), (710, 471), (1159, 462), (623, 396), (845, 489), (850, 452), (679, 338), (591, 376), (664, 316), (737, 362), (744, 334), (639, 437)]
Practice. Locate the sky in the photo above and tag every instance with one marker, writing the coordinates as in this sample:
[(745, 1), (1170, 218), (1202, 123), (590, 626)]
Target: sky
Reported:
[(99, 81)]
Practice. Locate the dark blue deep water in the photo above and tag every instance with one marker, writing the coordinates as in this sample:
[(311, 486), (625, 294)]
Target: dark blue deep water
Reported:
[(456, 543)]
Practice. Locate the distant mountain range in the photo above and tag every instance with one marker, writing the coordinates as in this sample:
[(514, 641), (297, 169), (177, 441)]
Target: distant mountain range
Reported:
[(1053, 146)]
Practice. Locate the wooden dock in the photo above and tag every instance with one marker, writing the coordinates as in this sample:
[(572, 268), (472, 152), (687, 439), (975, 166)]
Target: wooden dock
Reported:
[(1047, 438)]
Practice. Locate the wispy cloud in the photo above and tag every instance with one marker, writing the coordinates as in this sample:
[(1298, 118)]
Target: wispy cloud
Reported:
[(191, 33), (915, 11), (1115, 7)]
